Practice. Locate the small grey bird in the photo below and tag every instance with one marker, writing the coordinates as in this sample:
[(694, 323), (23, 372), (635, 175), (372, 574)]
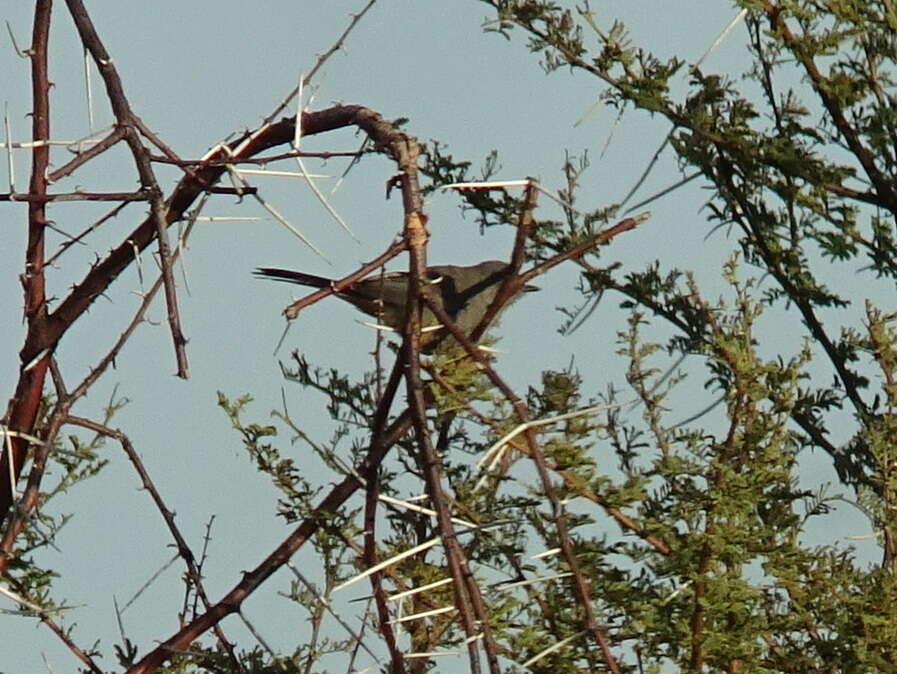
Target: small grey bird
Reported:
[(465, 292)]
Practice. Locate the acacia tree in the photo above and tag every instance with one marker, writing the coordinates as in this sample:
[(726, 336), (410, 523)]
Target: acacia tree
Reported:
[(689, 551)]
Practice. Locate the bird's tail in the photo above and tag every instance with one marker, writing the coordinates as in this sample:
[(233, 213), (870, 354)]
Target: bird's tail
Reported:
[(289, 276)]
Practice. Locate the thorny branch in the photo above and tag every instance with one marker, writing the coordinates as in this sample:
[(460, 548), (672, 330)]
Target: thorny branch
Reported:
[(63, 634), (47, 329), (564, 539), (35, 357), (126, 120), (251, 580), (468, 600), (184, 551)]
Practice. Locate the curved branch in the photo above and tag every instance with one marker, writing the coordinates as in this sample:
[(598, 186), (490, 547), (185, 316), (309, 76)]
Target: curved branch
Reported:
[(46, 330)]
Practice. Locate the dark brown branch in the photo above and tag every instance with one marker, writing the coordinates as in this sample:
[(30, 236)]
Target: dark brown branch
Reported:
[(139, 195), (154, 139), (560, 520), (396, 247), (103, 364), (257, 161), (83, 157), (369, 556), (512, 284), (127, 121), (372, 490), (251, 581), (468, 599), (184, 551), (597, 239)]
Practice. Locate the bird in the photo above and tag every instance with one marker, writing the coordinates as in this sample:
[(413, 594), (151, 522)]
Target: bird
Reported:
[(465, 293)]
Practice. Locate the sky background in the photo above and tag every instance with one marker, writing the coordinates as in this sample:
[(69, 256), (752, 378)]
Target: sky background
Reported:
[(199, 72)]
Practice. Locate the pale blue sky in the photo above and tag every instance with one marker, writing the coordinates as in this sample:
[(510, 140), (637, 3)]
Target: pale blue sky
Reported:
[(196, 72)]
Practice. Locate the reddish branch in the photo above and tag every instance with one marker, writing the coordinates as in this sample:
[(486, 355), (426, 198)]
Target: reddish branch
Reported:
[(257, 161), (394, 249), (52, 328), (46, 329), (35, 357), (383, 437), (468, 599), (372, 490), (44, 335)]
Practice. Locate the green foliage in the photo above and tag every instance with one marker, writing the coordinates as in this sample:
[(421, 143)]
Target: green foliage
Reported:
[(68, 467), (803, 176), (725, 501), (285, 475)]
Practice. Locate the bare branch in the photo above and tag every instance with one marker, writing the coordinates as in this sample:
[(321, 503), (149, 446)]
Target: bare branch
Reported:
[(126, 121), (253, 579), (184, 551)]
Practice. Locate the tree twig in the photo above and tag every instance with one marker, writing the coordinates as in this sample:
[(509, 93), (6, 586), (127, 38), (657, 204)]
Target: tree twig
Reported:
[(184, 551)]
